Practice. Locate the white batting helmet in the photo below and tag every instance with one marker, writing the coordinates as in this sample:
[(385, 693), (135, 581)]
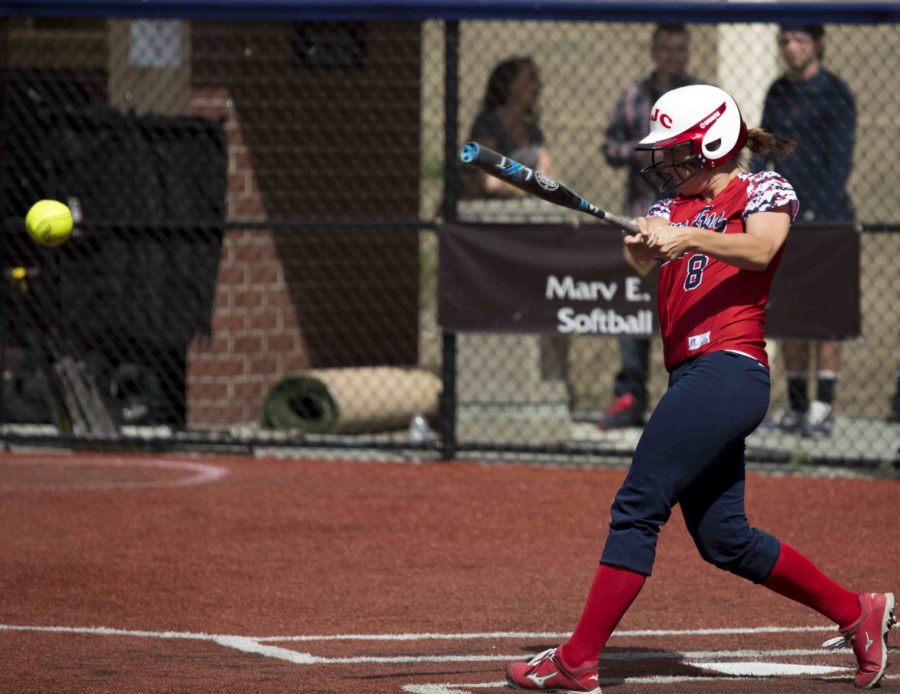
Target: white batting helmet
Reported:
[(700, 125)]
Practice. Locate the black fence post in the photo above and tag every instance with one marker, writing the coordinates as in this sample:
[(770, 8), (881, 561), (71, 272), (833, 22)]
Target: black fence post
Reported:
[(451, 194), (4, 223)]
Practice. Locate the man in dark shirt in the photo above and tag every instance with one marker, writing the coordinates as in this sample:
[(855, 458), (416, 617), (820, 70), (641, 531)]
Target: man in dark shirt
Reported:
[(817, 110), (670, 50)]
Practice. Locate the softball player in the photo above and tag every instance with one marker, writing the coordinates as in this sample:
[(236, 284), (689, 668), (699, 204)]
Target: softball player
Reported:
[(719, 241)]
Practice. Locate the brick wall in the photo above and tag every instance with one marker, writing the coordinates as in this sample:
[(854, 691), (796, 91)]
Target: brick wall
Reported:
[(306, 145), (256, 335)]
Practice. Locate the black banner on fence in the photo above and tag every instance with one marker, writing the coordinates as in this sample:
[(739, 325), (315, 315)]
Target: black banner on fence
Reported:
[(541, 278), (575, 280), (815, 294)]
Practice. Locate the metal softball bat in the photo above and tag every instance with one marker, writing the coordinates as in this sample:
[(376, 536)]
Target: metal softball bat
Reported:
[(536, 183)]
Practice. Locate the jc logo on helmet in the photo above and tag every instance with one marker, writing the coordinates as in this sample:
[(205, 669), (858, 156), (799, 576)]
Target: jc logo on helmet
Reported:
[(664, 120)]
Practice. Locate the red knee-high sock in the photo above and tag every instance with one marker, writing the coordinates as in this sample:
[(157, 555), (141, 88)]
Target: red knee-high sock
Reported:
[(612, 593), (797, 578)]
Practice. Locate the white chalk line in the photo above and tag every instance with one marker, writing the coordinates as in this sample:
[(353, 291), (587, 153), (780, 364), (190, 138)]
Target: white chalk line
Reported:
[(249, 644), (722, 664), (110, 631), (426, 636), (202, 473)]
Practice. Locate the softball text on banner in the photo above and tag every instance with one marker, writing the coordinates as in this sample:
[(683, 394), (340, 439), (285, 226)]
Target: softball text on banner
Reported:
[(576, 281), (541, 278)]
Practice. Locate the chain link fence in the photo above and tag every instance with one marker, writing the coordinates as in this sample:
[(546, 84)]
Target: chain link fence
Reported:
[(258, 204)]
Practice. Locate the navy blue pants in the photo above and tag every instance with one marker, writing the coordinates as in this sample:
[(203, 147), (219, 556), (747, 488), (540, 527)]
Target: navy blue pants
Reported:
[(692, 453)]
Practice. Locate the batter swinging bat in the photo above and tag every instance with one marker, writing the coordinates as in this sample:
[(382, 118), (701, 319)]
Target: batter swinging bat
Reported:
[(535, 183)]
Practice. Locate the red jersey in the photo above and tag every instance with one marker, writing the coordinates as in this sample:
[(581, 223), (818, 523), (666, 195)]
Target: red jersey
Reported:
[(706, 305)]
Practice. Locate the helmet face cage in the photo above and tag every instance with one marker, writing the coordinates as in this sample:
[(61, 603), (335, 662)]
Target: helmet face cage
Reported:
[(691, 128), (673, 165)]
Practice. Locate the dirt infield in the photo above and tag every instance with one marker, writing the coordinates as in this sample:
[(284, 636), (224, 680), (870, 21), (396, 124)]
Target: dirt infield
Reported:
[(156, 574)]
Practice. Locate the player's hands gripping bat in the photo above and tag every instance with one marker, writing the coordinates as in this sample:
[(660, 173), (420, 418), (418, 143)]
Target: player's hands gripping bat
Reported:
[(536, 183)]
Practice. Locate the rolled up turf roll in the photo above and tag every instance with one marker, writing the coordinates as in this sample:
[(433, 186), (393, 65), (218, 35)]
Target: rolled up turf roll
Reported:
[(351, 400)]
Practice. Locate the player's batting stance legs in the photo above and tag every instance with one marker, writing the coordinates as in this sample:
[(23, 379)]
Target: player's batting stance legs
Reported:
[(692, 454)]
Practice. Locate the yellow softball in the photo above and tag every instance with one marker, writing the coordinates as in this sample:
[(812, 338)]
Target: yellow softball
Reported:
[(49, 222)]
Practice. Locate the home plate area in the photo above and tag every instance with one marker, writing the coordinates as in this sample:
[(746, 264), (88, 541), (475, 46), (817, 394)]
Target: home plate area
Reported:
[(636, 660)]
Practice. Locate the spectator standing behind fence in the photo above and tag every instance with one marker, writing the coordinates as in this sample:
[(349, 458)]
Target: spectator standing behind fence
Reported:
[(813, 107), (719, 242), (670, 50), (894, 416), (509, 122)]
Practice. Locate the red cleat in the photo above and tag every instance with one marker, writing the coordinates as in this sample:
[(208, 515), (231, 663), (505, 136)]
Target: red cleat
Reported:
[(867, 636), (547, 673)]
